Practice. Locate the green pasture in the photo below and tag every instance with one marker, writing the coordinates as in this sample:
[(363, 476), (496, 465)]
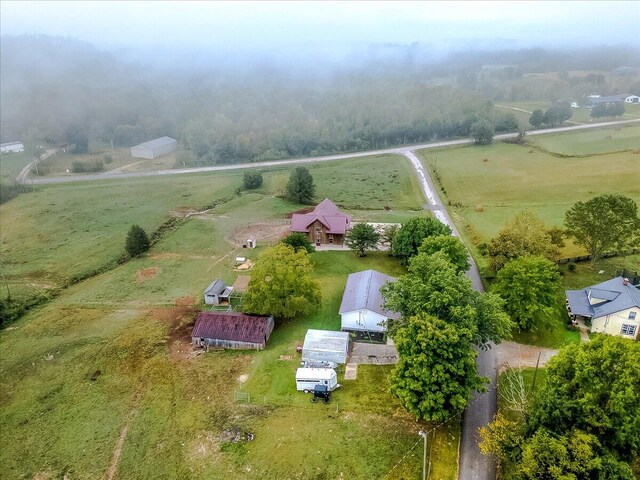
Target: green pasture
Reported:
[(63, 231), (593, 141), (11, 164), (104, 366), (487, 185)]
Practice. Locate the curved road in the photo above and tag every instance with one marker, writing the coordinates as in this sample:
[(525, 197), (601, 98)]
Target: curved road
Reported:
[(343, 156)]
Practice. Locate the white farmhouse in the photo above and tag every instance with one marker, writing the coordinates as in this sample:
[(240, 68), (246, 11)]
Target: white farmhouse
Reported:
[(362, 304), (154, 148), (611, 307)]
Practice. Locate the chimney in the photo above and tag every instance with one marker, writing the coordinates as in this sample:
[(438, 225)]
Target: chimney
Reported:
[(625, 281)]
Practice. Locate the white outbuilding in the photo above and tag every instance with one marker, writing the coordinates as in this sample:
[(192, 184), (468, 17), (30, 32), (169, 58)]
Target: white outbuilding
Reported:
[(154, 148), (632, 99), (326, 345), (362, 304), (11, 147)]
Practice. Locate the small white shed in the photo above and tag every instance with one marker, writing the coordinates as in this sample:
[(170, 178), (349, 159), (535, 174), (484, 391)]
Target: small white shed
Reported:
[(11, 147), (326, 345), (154, 148), (362, 303)]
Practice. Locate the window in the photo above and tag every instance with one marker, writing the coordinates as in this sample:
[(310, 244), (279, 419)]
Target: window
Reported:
[(628, 330), (330, 238), (632, 315)]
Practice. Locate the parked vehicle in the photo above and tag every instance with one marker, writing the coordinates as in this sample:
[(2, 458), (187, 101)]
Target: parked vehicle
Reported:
[(308, 378), (321, 392)]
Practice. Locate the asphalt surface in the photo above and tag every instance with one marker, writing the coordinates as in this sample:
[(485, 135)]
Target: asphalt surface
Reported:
[(473, 465), (296, 161)]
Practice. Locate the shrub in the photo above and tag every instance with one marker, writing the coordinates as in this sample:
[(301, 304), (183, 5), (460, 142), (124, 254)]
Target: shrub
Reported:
[(252, 180)]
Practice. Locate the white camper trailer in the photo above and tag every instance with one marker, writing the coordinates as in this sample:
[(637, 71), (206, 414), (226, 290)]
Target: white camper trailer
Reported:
[(308, 378)]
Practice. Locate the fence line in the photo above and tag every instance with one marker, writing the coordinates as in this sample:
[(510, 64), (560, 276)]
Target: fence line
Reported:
[(584, 258)]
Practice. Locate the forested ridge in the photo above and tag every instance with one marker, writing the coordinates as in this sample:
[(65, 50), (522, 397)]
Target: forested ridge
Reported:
[(221, 114)]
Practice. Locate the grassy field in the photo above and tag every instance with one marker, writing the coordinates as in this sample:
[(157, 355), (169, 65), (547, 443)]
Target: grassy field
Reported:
[(11, 164), (594, 141), (102, 372), (64, 231), (486, 186), (120, 159), (579, 115)]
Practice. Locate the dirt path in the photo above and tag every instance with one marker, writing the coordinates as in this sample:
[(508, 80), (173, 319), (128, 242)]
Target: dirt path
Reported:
[(513, 355), (115, 458)]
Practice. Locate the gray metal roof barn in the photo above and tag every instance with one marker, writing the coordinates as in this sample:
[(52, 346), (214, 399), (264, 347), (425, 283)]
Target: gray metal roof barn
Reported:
[(154, 148), (326, 345)]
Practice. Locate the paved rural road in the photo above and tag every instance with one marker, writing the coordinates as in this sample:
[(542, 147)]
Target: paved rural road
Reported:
[(473, 464), (343, 156)]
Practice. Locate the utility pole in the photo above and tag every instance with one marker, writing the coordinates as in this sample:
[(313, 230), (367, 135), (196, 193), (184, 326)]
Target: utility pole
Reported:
[(424, 455)]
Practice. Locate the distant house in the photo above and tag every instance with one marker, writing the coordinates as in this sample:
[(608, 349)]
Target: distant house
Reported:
[(325, 225), (632, 99), (326, 345), (217, 292), (11, 147), (231, 330), (594, 100), (362, 304), (611, 307), (154, 148)]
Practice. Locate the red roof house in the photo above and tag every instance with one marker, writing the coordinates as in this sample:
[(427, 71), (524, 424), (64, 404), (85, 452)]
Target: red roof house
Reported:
[(231, 330), (325, 225)]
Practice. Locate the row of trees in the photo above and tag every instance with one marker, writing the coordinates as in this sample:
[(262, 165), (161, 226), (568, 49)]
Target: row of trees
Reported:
[(583, 423), (555, 115), (604, 110)]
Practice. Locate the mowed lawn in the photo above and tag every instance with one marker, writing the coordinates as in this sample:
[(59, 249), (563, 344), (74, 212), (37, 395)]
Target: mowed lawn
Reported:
[(103, 372), (11, 164), (71, 230)]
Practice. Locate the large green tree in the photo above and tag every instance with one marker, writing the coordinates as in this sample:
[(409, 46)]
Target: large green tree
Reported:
[(451, 246), (388, 237), (282, 284), (595, 387), (530, 287), (433, 286), (537, 118), (525, 234), (603, 224), (482, 132), (412, 233), (436, 372), (137, 241), (362, 237), (300, 187)]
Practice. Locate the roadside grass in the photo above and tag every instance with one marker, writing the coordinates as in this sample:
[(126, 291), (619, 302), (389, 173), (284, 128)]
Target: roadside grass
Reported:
[(11, 164), (72, 230), (595, 141), (508, 378), (483, 195)]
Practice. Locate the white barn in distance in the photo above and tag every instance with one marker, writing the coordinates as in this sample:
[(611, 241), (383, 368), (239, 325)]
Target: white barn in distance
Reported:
[(11, 147), (362, 304), (155, 148)]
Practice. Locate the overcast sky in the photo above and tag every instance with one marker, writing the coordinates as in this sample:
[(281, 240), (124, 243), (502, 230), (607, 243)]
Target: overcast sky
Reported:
[(263, 26)]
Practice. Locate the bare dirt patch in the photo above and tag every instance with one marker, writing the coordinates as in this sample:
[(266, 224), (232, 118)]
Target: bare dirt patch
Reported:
[(180, 320), (182, 212), (244, 266), (302, 211), (243, 378), (187, 301), (147, 273), (259, 231), (242, 283)]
